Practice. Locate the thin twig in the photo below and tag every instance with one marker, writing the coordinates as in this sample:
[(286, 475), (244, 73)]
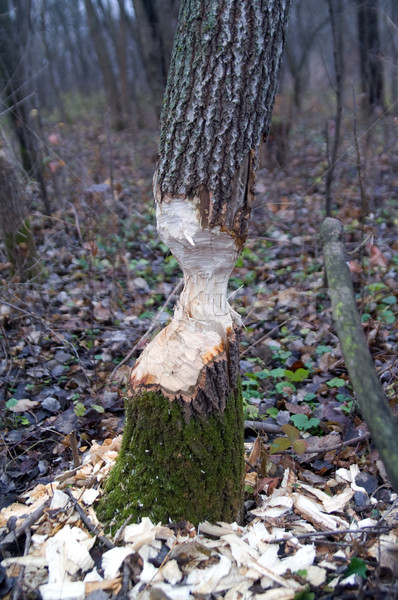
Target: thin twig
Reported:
[(75, 452), (301, 536), (94, 529), (166, 558), (149, 331), (29, 521), (261, 426), (43, 322), (352, 442), (120, 531), (361, 245), (18, 592), (264, 337)]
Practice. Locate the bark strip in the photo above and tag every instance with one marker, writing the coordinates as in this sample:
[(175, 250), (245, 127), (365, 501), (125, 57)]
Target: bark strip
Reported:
[(372, 401)]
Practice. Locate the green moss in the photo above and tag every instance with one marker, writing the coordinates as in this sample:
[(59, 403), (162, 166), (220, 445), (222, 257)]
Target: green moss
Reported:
[(170, 468)]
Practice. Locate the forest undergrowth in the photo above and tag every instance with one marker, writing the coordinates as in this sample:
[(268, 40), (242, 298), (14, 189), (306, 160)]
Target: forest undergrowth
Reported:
[(108, 284)]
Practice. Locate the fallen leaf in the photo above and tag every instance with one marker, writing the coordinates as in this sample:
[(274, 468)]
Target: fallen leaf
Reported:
[(22, 405)]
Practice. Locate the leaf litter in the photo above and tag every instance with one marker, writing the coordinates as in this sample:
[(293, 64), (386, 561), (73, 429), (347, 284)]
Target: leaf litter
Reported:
[(320, 517)]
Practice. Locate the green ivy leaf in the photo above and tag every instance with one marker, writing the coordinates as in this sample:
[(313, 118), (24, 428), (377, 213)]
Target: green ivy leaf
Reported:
[(323, 349), (336, 382), (389, 300), (284, 387), (343, 398), (79, 409), (376, 287), (272, 412), (304, 595), (298, 375), (313, 422), (300, 421), (276, 373), (11, 402), (262, 374), (357, 566), (98, 408)]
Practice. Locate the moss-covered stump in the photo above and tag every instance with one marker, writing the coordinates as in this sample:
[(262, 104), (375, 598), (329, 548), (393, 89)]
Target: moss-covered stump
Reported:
[(175, 465)]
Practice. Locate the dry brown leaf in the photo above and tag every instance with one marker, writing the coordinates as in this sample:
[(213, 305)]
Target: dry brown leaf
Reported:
[(23, 405)]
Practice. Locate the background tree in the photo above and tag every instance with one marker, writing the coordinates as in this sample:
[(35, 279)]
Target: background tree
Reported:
[(371, 66), (155, 25), (182, 455), (18, 84), (112, 83), (14, 223), (307, 21), (333, 132)]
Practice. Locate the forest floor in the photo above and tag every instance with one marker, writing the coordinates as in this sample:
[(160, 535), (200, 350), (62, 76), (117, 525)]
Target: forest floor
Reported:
[(106, 281)]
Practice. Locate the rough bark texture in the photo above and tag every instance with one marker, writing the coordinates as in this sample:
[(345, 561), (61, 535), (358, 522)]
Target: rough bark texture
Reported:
[(182, 451), (14, 224), (368, 390), (219, 97)]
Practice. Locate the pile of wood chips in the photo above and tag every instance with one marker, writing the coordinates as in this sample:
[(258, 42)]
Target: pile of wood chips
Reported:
[(299, 536)]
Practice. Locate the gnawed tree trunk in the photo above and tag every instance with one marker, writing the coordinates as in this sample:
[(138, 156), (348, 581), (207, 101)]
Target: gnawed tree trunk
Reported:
[(372, 402), (182, 452), (14, 223)]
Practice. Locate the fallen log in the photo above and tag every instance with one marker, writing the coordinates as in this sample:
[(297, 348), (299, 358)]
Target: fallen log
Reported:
[(369, 392)]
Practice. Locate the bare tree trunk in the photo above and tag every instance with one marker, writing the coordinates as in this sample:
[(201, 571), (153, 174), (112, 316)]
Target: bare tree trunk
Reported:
[(49, 56), (14, 52), (110, 80), (369, 53), (336, 22), (182, 455), (14, 223), (121, 50), (154, 32)]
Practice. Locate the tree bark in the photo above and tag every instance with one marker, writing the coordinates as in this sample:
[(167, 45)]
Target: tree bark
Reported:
[(368, 390), (182, 454)]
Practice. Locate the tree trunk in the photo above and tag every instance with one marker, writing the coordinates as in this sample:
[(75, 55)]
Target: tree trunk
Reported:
[(14, 224), (155, 28), (16, 81), (336, 22), (182, 452), (110, 81), (49, 52), (369, 53)]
